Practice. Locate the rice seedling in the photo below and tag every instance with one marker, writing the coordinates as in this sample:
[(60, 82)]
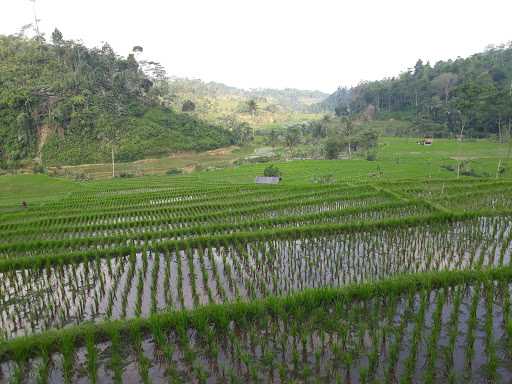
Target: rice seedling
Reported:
[(363, 282)]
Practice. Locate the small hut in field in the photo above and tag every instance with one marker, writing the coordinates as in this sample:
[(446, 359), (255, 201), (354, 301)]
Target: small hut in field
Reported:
[(267, 180), (427, 140)]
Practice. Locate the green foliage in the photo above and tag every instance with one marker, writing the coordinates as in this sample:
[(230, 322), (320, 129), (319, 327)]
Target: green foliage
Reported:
[(371, 156), (470, 95), (188, 106), (173, 172), (332, 148), (271, 171), (70, 104)]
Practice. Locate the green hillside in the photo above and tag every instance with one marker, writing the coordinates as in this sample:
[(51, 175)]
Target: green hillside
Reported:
[(64, 103), (471, 95), (220, 103)]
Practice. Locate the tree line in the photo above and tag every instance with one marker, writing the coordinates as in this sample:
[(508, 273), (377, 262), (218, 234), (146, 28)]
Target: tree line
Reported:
[(466, 96)]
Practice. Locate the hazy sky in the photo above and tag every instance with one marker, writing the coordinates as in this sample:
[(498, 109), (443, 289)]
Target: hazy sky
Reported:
[(316, 44)]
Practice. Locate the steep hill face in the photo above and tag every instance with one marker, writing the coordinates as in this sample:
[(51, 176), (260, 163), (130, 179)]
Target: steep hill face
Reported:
[(67, 104)]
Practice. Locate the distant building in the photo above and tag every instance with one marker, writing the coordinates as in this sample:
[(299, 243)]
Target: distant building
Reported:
[(267, 180), (426, 141)]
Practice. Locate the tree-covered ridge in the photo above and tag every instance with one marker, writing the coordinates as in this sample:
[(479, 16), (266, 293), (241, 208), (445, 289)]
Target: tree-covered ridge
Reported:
[(67, 103), (470, 95), (236, 108), (289, 98)]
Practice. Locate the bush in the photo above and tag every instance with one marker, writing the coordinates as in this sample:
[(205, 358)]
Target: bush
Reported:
[(39, 169), (448, 167), (188, 106), (80, 176), (174, 171), (272, 171), (332, 149), (126, 175), (371, 156)]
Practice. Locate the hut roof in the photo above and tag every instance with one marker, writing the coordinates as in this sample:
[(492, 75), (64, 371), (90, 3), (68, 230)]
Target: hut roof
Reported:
[(267, 180)]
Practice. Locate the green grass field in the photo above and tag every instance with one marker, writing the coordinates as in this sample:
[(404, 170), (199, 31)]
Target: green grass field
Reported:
[(398, 158)]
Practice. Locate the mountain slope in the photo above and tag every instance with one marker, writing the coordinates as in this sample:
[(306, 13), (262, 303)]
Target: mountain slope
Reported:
[(69, 104), (471, 95), (218, 102)]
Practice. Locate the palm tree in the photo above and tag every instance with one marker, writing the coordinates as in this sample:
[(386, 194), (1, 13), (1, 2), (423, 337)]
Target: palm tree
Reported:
[(252, 106), (324, 123), (348, 131)]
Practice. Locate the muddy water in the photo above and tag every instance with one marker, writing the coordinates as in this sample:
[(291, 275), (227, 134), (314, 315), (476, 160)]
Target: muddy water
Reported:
[(326, 344), (34, 300)]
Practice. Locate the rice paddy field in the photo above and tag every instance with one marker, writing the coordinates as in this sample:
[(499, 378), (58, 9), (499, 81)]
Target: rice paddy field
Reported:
[(208, 278)]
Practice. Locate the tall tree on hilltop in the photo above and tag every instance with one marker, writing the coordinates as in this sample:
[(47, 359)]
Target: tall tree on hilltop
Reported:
[(252, 106), (348, 131), (445, 82)]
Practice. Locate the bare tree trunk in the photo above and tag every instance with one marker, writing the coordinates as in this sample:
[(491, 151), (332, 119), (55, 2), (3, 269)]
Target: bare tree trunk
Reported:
[(498, 169), (462, 126), (113, 163), (416, 102), (499, 129), (349, 152)]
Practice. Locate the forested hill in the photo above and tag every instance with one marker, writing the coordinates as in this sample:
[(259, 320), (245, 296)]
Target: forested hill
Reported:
[(472, 95), (341, 97), (235, 107), (290, 99), (67, 104)]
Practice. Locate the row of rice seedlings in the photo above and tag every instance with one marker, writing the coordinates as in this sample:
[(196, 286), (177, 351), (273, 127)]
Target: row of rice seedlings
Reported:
[(45, 256), (178, 214), (480, 201), (176, 208), (101, 202), (165, 220), (120, 287), (374, 340), (443, 187), (230, 221), (122, 239), (38, 299), (397, 336), (432, 346), (171, 195)]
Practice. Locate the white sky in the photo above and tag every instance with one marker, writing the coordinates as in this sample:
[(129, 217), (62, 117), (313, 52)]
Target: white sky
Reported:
[(315, 44)]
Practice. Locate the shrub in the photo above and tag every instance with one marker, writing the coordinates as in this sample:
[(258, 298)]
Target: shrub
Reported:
[(38, 168), (188, 106), (272, 171), (80, 176), (448, 167), (174, 171), (332, 149)]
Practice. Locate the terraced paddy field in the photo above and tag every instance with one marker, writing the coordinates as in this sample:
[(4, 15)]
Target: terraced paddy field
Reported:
[(188, 280)]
